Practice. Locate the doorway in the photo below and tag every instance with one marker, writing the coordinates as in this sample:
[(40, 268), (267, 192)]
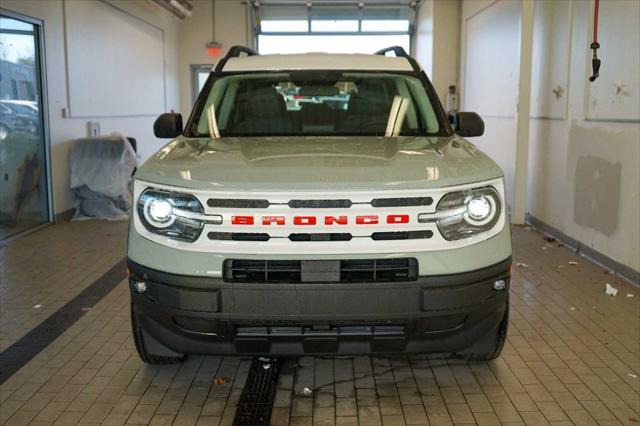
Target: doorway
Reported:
[(199, 75), (25, 197)]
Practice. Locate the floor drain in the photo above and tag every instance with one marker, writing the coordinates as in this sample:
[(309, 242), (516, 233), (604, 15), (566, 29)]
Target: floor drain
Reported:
[(256, 401)]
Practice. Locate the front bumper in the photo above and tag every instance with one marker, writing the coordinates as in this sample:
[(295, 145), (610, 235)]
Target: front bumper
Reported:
[(435, 314)]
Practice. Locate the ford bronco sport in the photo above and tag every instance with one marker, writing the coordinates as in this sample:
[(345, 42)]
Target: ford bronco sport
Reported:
[(319, 204)]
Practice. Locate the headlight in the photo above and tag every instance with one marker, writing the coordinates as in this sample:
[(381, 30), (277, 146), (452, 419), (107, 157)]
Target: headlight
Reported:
[(479, 209), (466, 213), (174, 215), (159, 212)]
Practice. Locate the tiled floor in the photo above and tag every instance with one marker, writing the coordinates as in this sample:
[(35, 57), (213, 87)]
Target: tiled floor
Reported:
[(572, 354), (43, 271)]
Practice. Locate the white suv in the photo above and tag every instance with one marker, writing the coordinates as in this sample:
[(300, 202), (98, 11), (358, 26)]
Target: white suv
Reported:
[(352, 221)]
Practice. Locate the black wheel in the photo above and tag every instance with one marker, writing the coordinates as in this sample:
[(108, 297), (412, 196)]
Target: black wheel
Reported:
[(141, 340), (490, 346)]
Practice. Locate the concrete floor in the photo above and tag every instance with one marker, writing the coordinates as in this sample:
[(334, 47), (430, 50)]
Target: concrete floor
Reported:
[(572, 354)]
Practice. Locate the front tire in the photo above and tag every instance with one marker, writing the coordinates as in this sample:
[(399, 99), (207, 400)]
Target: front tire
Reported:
[(490, 346), (141, 340)]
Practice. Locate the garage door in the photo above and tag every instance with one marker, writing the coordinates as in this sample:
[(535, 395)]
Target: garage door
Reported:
[(297, 26)]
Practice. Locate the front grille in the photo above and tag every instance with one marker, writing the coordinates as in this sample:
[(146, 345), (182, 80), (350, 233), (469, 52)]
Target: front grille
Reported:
[(374, 329), (321, 237), (343, 203), (379, 270), (199, 325), (315, 237), (238, 236), (406, 235), (402, 202), (319, 204), (238, 203), (348, 271)]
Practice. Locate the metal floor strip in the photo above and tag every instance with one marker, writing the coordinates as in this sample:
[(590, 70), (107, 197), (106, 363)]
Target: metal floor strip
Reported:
[(256, 401), (31, 344)]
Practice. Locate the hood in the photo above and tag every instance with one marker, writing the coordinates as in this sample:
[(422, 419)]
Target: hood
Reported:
[(318, 163)]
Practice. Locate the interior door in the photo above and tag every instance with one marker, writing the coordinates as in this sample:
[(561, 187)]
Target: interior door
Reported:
[(24, 184)]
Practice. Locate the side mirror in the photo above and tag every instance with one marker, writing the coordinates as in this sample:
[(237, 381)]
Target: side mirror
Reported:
[(469, 124), (168, 125)]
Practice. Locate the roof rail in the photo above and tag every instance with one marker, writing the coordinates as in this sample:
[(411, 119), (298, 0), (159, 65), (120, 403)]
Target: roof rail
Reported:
[(234, 52), (400, 53)]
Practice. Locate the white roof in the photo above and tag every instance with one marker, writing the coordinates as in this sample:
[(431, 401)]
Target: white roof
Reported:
[(318, 61)]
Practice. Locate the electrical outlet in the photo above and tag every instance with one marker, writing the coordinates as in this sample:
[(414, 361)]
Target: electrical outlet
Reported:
[(93, 128)]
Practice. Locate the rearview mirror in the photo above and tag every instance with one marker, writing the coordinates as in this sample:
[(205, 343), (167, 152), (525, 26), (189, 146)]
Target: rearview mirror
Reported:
[(168, 125), (469, 124)]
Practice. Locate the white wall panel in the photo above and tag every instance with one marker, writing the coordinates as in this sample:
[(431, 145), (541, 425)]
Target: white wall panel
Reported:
[(616, 94), (490, 45), (491, 65), (446, 46), (115, 62), (551, 59), (585, 173)]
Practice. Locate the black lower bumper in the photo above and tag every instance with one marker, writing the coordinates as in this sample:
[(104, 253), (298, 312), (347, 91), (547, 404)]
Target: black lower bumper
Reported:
[(434, 314)]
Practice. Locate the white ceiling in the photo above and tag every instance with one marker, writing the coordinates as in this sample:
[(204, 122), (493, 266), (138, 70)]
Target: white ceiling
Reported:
[(338, 2)]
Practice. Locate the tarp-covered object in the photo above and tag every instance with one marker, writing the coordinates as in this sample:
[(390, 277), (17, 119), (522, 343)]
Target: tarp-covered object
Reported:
[(101, 170)]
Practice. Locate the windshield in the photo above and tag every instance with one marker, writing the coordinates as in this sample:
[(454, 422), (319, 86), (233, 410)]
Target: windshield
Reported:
[(316, 103)]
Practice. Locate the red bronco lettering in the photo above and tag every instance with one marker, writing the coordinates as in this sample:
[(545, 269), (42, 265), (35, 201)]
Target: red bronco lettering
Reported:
[(392, 219)]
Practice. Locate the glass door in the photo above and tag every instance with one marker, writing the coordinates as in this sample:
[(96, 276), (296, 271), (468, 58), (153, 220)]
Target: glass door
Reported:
[(24, 184)]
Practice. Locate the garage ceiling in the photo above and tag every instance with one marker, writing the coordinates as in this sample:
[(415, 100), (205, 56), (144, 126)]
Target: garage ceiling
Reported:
[(337, 2), (180, 8)]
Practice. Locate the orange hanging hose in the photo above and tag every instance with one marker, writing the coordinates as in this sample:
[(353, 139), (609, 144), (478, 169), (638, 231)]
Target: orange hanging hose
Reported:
[(595, 21)]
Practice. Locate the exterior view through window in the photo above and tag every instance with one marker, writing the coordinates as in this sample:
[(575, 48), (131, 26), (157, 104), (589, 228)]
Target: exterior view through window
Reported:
[(319, 104), (318, 42), (24, 195)]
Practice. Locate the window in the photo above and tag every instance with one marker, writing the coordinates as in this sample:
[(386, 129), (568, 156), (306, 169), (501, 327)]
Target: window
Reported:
[(385, 25), (336, 26), (269, 44), (25, 193), (334, 29), (285, 26), (318, 104)]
